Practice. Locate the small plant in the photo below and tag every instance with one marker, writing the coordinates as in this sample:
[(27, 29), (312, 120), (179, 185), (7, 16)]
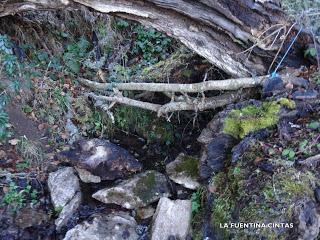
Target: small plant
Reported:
[(75, 54), (288, 153), (7, 57), (153, 45), (16, 198), (196, 200)]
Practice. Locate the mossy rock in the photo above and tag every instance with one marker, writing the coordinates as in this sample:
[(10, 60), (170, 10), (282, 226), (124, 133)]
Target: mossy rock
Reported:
[(139, 191), (240, 122), (184, 170), (245, 194)]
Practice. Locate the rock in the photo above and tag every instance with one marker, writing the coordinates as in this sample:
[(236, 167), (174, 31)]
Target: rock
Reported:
[(115, 226), (65, 193), (216, 154), (308, 220), (28, 217), (245, 143), (172, 218), (272, 86), (299, 82), (317, 194), (184, 170), (303, 95), (144, 213), (102, 158), (139, 191), (86, 176)]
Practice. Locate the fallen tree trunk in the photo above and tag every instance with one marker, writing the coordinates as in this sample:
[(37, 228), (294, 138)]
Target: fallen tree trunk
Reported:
[(220, 30)]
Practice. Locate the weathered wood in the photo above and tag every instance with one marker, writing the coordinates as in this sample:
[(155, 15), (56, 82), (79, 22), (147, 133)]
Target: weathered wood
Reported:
[(218, 30)]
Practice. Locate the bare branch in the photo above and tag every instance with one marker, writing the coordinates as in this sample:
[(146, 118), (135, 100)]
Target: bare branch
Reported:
[(196, 104), (229, 84)]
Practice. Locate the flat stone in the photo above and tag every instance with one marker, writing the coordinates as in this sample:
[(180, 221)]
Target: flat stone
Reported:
[(102, 158), (139, 191), (65, 193), (86, 176), (115, 226), (308, 94), (184, 170), (172, 218)]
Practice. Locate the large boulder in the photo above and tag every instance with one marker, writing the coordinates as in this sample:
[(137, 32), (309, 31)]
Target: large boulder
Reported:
[(65, 194), (184, 170), (115, 226), (172, 219), (139, 191), (102, 158)]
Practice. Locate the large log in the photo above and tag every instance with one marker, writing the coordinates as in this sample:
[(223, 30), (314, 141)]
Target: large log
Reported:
[(219, 30)]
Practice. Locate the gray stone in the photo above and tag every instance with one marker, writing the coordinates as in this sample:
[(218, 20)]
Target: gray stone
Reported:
[(115, 226), (303, 95), (102, 158), (300, 82), (172, 218), (139, 191), (308, 220), (86, 176), (65, 193), (317, 194), (184, 170)]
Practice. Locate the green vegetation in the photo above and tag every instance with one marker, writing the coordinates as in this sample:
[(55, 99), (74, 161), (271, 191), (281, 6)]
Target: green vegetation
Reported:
[(75, 54), (196, 200), (189, 165), (15, 198), (241, 122), (246, 194), (153, 45), (146, 186)]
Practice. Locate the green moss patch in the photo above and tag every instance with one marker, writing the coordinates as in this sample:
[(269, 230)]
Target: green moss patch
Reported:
[(189, 165), (145, 186), (241, 122)]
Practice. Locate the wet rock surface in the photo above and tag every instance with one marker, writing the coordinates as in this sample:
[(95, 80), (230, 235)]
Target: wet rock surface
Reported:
[(171, 220), (102, 158), (184, 170), (115, 226), (139, 191), (272, 86), (65, 194), (216, 153)]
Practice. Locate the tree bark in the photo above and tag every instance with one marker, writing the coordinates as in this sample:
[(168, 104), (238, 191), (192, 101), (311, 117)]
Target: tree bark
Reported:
[(219, 30)]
